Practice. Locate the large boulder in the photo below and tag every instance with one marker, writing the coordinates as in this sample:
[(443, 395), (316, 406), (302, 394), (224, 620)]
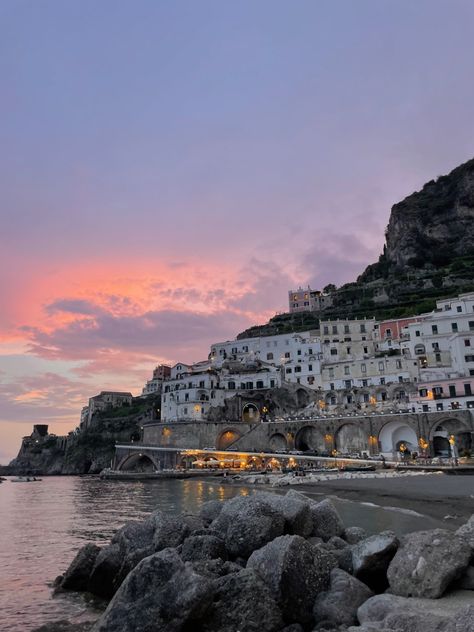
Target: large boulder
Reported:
[(161, 594), (215, 568), (289, 566), (169, 531), (134, 535), (103, 580), (371, 558), (326, 520), (467, 532), (246, 524), (242, 601), (210, 510), (427, 562), (203, 547), (353, 535), (296, 511), (339, 604), (77, 575)]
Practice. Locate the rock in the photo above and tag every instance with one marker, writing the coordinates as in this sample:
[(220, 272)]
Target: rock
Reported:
[(242, 602), (203, 547), (337, 543), (326, 520), (371, 558), (297, 514), (193, 522), (246, 524), (353, 535), (134, 535), (467, 532), (294, 627), (338, 606), (215, 568), (65, 626), (169, 531), (466, 581), (106, 569), (427, 562), (77, 575), (344, 559), (291, 568), (161, 594), (210, 510)]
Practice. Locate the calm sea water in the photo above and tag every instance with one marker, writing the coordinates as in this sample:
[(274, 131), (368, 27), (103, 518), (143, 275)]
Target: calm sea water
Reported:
[(43, 524)]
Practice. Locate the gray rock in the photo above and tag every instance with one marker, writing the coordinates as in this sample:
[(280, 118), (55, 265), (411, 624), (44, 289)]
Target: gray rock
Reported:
[(295, 572), (102, 581), (203, 547), (193, 522), (344, 559), (215, 568), (326, 520), (77, 575), (294, 627), (296, 511), (338, 606), (466, 581), (464, 622), (353, 535), (337, 543), (246, 524), (169, 531), (427, 562), (371, 558), (134, 535), (467, 532), (161, 594), (242, 602), (210, 510), (65, 626)]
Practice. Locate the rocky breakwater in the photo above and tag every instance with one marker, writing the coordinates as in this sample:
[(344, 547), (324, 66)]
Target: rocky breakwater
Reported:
[(275, 563)]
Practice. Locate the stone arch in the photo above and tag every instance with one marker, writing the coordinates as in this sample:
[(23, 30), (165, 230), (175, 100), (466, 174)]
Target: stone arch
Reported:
[(302, 398), (350, 437), (278, 442), (394, 433), (440, 432), (138, 463), (227, 437), (250, 412), (309, 438)]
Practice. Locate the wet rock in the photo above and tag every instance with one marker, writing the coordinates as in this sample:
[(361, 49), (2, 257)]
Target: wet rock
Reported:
[(427, 562), (193, 522), (326, 520), (246, 524), (371, 558), (243, 602), (105, 571), (77, 575), (338, 606), (169, 531), (353, 535), (344, 559), (295, 572), (203, 547), (161, 594), (210, 510)]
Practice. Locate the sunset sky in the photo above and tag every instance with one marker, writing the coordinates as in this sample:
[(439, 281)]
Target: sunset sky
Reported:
[(169, 169)]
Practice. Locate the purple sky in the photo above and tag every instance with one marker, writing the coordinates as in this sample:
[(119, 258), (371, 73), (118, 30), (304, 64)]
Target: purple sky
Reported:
[(170, 169)]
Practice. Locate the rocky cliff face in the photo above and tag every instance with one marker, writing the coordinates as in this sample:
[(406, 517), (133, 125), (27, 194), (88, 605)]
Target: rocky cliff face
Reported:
[(434, 225)]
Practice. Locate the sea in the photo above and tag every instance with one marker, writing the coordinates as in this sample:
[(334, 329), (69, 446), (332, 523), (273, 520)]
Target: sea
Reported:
[(44, 523)]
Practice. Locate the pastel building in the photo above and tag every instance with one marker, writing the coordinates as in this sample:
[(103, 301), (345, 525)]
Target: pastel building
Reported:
[(307, 300)]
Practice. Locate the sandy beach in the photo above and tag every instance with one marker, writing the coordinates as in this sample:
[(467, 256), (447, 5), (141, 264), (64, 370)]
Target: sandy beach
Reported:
[(435, 495)]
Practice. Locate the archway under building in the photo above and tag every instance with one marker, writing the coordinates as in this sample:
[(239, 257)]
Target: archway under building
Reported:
[(138, 463), (226, 438), (442, 432), (278, 443), (393, 434), (310, 439), (350, 438), (250, 413)]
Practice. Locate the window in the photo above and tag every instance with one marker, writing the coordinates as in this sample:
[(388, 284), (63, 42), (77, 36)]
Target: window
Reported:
[(400, 378), (333, 351), (467, 342), (454, 327), (381, 366), (459, 308), (269, 356), (471, 371), (310, 367), (383, 394), (231, 386), (438, 357), (334, 329), (310, 379), (272, 383), (289, 370), (331, 372), (186, 397), (298, 352), (362, 329), (297, 369), (365, 383), (467, 389), (202, 384), (346, 329), (249, 386), (417, 333), (469, 358), (382, 380), (364, 337), (348, 350), (234, 349), (287, 354), (326, 330), (434, 329), (242, 386), (366, 349), (363, 368), (347, 383), (471, 325), (333, 401), (388, 333), (347, 370), (349, 399), (310, 351), (259, 384), (452, 390), (425, 408), (435, 346), (439, 406), (331, 386)]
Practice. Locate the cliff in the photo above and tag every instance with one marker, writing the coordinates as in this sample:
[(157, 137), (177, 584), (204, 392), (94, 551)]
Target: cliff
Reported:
[(87, 451)]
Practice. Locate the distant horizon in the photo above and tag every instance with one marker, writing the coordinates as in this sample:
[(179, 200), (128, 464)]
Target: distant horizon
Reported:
[(170, 171)]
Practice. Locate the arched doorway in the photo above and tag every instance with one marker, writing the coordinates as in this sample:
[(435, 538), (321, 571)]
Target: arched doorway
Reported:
[(441, 434), (226, 438), (277, 443), (250, 413), (310, 439), (351, 438), (393, 434)]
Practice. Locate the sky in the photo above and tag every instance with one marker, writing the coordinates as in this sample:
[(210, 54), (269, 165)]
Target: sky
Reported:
[(169, 170)]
